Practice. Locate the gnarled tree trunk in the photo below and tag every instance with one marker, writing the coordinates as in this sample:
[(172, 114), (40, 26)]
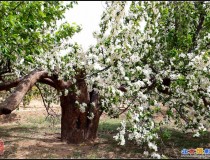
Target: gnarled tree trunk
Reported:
[(76, 127)]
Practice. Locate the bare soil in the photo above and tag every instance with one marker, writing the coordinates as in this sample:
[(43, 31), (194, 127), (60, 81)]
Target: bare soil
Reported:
[(27, 133)]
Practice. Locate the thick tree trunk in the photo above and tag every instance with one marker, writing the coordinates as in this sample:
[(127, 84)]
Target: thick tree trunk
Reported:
[(76, 127)]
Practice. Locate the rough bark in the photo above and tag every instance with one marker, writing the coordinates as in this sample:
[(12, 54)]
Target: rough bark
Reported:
[(8, 85), (24, 84), (76, 127), (16, 97)]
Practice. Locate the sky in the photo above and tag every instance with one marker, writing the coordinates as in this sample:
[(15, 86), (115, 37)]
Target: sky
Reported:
[(87, 14)]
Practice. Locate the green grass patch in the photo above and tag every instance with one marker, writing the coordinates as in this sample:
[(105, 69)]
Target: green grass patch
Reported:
[(39, 129), (109, 124)]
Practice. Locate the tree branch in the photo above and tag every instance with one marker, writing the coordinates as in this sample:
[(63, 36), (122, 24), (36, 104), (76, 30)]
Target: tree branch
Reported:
[(48, 81), (61, 84), (23, 87), (104, 69), (8, 85), (45, 105)]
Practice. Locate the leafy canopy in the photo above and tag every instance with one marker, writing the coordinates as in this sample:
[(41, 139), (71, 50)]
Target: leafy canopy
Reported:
[(164, 63), (29, 29)]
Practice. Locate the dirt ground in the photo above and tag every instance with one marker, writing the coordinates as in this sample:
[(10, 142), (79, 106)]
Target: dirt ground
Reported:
[(27, 133)]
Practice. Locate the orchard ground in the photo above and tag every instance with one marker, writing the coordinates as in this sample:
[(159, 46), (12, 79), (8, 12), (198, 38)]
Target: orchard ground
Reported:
[(27, 133)]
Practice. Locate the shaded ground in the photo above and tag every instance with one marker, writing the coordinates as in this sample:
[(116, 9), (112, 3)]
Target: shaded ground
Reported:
[(27, 133)]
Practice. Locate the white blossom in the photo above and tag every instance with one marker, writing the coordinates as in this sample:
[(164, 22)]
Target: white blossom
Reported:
[(146, 153), (208, 89), (91, 116), (155, 155), (197, 134), (152, 146)]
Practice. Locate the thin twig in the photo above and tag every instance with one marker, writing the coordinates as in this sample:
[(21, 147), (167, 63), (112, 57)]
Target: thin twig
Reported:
[(46, 107)]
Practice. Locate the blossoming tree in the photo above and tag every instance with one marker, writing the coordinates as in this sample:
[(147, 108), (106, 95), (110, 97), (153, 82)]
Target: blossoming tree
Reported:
[(166, 62)]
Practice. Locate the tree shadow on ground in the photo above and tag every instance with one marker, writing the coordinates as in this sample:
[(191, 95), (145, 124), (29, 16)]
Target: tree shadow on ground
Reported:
[(34, 142), (37, 142), (172, 142), (9, 118)]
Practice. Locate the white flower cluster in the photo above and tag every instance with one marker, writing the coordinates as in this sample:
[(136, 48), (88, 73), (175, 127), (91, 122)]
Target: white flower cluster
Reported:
[(120, 136), (139, 57), (91, 116), (137, 50), (82, 107)]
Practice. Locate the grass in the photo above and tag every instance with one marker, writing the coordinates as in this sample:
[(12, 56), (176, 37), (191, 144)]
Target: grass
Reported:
[(108, 127), (36, 137)]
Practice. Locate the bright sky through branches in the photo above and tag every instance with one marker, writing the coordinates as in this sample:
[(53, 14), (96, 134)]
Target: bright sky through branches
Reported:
[(87, 14)]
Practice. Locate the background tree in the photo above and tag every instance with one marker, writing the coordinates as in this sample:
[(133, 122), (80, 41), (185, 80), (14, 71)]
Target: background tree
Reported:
[(166, 63)]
